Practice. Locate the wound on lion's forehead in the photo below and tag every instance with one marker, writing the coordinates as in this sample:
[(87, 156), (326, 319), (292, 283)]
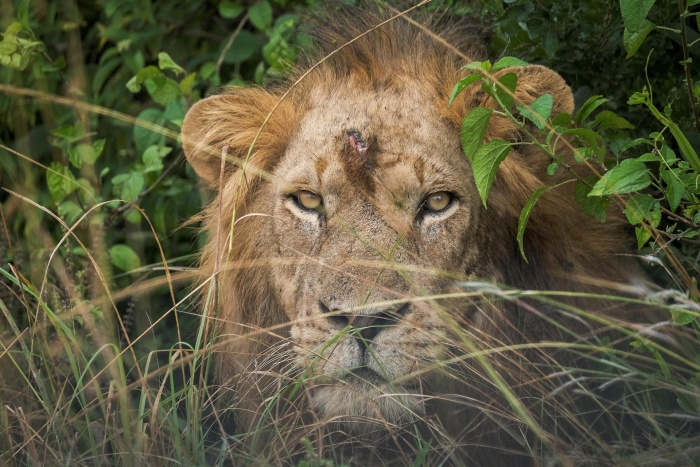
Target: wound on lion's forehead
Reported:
[(358, 154)]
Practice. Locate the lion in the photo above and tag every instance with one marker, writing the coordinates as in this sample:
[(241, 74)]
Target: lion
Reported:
[(348, 239)]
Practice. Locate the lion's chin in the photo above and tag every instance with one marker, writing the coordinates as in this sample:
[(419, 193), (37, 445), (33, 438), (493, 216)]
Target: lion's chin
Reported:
[(363, 408)]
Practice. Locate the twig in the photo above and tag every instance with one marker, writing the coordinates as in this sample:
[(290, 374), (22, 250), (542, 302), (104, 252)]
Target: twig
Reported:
[(230, 43), (686, 56), (672, 215)]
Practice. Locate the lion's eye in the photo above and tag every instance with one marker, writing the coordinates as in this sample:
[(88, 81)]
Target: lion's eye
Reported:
[(437, 201), (308, 200)]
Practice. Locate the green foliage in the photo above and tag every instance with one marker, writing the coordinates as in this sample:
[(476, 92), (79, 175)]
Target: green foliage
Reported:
[(657, 189), (97, 139)]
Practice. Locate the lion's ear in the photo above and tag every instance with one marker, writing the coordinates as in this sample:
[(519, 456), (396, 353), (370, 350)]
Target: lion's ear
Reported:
[(533, 82), (233, 119)]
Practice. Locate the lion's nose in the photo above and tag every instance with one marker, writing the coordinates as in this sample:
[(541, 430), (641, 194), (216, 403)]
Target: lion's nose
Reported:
[(365, 327)]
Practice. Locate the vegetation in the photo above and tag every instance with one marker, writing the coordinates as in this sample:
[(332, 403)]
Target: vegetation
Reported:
[(103, 357)]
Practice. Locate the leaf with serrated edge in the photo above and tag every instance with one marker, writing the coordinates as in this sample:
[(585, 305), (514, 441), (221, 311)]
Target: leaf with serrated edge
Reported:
[(525, 216), (507, 62), (462, 84), (167, 63), (628, 176), (485, 164), (593, 206), (542, 107), (634, 12), (643, 208), (634, 40), (589, 106), (675, 188), (473, 130), (509, 82)]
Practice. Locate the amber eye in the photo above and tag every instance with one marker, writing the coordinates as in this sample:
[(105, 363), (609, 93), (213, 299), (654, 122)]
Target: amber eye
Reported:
[(437, 201), (307, 200)]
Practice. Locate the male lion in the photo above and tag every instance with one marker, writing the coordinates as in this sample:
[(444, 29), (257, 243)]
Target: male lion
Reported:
[(340, 245)]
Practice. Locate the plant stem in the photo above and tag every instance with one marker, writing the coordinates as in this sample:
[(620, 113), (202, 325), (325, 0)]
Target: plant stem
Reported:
[(686, 67)]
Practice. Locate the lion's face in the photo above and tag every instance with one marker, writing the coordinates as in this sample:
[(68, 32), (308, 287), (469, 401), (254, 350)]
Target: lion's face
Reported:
[(373, 200), (338, 249)]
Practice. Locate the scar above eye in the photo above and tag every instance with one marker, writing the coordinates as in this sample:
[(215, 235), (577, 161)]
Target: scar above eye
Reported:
[(357, 142), (362, 147)]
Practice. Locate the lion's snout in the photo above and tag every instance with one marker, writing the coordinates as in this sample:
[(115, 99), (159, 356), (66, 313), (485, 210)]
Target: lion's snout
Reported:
[(366, 323)]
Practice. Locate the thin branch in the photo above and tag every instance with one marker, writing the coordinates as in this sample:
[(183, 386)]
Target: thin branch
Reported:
[(230, 43)]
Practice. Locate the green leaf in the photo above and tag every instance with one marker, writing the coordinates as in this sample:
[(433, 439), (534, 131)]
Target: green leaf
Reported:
[(474, 128), (638, 98), (166, 90), (588, 107), (525, 216), (634, 12), (643, 208), (230, 10), (594, 206), (23, 13), (244, 47), (7, 47), (128, 186), (98, 146), (539, 111), (682, 317), (485, 164), (167, 63), (60, 62), (144, 137), (186, 84), (260, 15), (509, 82), (675, 188), (152, 158), (607, 119), (106, 71), (634, 40), (507, 62), (134, 84), (82, 154), (61, 182), (643, 235), (124, 258), (628, 176), (133, 216), (70, 211), (591, 138), (563, 119), (85, 192), (668, 155), (479, 66), (463, 83), (648, 157)]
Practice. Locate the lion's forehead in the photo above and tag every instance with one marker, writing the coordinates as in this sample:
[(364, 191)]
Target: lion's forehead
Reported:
[(410, 142)]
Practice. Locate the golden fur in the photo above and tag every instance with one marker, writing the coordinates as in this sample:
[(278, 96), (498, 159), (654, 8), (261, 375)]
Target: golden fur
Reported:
[(289, 283)]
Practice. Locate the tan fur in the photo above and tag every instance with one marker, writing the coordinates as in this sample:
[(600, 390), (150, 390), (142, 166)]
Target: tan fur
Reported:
[(369, 252)]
